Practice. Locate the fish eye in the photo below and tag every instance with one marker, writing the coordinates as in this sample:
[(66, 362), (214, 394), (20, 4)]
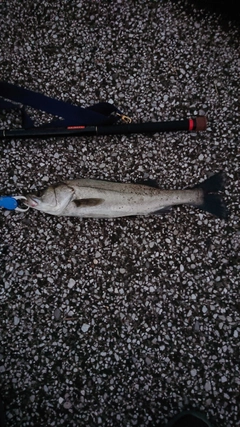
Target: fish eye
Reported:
[(39, 193)]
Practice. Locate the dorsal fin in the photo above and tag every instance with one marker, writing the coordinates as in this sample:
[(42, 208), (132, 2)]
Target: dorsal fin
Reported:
[(148, 182)]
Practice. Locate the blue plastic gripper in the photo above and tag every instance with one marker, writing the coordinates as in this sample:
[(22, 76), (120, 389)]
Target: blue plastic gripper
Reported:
[(8, 202)]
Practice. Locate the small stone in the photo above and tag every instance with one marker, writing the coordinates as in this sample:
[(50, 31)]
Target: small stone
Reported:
[(60, 400), (197, 326), (181, 268), (71, 283), (67, 405), (208, 386), (193, 372), (204, 309), (148, 361), (122, 270), (16, 320), (57, 314), (85, 327)]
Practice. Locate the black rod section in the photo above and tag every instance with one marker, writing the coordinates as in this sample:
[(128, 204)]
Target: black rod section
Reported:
[(196, 124)]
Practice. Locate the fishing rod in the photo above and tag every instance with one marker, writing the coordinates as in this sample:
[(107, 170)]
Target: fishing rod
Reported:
[(102, 118), (195, 124)]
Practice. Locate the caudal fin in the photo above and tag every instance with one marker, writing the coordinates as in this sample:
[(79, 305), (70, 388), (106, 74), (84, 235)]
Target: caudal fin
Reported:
[(213, 202)]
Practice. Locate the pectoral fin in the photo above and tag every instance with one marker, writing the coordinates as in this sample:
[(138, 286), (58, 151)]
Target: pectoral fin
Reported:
[(86, 203)]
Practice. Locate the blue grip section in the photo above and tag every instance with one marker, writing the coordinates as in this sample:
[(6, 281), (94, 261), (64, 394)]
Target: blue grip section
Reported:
[(8, 202)]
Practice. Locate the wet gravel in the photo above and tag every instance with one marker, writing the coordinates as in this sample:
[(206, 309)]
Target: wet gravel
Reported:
[(121, 322)]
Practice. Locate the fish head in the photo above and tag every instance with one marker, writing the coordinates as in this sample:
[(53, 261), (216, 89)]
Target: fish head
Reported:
[(52, 200)]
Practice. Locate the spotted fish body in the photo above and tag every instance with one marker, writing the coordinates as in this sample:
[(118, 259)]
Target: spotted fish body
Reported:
[(89, 198)]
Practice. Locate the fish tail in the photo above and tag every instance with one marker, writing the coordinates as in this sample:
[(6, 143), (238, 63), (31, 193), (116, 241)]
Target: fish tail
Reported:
[(212, 201)]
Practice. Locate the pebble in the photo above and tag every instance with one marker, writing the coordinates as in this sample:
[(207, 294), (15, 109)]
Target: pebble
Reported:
[(67, 405), (57, 314), (208, 386), (16, 320), (85, 327), (148, 361), (71, 283), (197, 326)]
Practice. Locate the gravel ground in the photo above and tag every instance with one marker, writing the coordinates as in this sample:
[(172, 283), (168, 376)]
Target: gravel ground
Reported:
[(121, 322)]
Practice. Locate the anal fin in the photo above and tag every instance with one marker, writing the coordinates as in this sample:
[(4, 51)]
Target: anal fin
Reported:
[(162, 211)]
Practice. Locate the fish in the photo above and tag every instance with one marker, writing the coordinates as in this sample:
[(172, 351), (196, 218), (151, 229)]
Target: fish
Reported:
[(90, 198)]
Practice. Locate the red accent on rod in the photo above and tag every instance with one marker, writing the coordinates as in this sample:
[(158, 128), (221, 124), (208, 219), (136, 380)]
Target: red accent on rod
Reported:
[(76, 127), (191, 124)]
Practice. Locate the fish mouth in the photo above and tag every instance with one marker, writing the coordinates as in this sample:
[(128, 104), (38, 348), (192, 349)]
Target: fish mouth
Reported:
[(31, 201)]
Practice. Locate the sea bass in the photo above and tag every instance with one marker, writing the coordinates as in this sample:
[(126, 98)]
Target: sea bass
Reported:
[(89, 198)]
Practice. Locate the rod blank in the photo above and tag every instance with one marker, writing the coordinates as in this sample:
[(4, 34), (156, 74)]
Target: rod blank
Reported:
[(196, 124)]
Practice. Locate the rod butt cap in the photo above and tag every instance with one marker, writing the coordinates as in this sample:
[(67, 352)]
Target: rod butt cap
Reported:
[(201, 123)]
